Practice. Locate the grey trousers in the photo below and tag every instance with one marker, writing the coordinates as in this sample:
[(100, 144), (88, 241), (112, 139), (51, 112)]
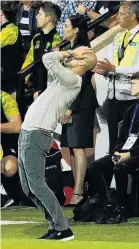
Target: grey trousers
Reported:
[(33, 148)]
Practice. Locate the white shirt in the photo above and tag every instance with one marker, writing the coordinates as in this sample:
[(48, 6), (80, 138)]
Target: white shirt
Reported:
[(47, 109), (126, 69)]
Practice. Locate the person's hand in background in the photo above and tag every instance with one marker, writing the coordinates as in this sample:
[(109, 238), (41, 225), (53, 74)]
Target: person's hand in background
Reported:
[(81, 9), (35, 95), (119, 157), (105, 65), (65, 117)]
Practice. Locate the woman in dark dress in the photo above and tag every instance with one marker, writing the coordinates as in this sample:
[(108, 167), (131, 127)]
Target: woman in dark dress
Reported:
[(78, 122)]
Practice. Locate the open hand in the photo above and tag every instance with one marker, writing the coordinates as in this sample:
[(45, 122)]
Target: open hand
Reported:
[(105, 66), (82, 52), (98, 70), (65, 117)]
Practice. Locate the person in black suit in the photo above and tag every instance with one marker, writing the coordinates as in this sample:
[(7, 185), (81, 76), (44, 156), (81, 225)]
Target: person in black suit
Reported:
[(123, 160), (101, 7), (78, 122)]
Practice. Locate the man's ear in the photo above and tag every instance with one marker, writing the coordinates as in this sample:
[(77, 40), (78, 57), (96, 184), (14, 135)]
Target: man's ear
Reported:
[(76, 30), (48, 18), (1, 13), (134, 17)]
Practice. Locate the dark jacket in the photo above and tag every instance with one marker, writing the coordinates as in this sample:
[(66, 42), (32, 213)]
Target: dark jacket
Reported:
[(87, 96), (32, 25), (32, 19), (8, 141), (124, 132), (40, 44), (11, 55), (98, 30), (106, 4)]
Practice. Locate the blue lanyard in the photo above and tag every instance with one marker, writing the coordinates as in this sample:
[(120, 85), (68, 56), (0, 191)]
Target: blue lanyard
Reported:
[(133, 117)]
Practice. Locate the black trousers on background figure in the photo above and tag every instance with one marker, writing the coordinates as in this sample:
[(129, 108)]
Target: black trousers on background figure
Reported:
[(99, 175), (115, 113), (121, 171), (100, 172)]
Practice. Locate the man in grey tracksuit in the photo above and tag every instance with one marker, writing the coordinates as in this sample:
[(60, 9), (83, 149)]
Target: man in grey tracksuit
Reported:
[(37, 134)]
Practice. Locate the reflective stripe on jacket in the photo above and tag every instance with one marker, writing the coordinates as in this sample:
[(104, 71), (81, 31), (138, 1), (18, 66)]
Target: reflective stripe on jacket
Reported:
[(120, 85)]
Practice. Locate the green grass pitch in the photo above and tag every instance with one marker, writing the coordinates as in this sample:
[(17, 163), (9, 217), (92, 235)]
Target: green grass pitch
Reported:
[(87, 235)]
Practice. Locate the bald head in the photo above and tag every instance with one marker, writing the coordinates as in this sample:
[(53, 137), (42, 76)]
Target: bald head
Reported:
[(80, 65)]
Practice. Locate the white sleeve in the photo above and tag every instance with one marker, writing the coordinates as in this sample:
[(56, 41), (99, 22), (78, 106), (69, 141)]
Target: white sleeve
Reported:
[(127, 70), (111, 52), (62, 74), (52, 59)]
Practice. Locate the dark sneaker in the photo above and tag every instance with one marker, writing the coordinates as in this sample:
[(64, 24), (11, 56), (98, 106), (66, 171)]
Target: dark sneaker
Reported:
[(62, 235), (120, 215), (45, 236), (6, 201)]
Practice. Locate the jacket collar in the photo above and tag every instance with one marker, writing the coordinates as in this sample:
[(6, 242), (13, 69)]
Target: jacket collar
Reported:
[(5, 24), (50, 34)]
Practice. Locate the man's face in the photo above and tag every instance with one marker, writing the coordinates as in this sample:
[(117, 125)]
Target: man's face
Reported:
[(124, 18), (42, 19), (135, 87)]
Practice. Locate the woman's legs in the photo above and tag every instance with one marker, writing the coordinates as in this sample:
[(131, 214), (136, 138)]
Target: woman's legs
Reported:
[(72, 161), (80, 165)]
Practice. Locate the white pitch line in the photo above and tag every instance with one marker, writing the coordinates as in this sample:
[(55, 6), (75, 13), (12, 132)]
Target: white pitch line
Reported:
[(14, 222)]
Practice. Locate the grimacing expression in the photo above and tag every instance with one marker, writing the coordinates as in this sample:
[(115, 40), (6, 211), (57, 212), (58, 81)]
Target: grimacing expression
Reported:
[(69, 31), (42, 19), (135, 87)]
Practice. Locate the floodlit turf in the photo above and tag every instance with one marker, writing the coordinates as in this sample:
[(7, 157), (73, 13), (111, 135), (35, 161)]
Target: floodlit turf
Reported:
[(87, 235), (33, 244)]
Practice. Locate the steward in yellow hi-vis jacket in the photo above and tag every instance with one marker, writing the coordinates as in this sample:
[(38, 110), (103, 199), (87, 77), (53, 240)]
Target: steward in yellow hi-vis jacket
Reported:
[(11, 46), (48, 38), (9, 136), (120, 65), (40, 44), (1, 152)]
